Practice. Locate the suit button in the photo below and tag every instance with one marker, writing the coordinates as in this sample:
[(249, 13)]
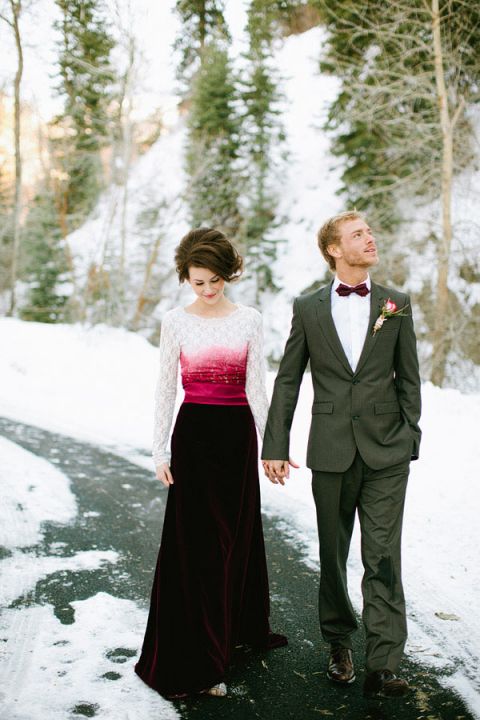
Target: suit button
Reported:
[(355, 417), (355, 382)]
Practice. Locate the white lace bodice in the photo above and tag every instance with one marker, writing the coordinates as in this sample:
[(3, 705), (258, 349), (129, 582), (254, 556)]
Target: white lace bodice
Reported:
[(210, 350)]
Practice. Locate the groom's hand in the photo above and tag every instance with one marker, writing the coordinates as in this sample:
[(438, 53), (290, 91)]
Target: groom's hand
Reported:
[(278, 470)]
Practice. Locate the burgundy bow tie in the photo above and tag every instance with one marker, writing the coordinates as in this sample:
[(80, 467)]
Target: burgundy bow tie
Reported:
[(344, 290)]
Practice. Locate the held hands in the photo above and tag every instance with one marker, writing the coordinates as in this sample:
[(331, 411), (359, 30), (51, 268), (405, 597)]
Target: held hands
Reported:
[(278, 470), (163, 473)]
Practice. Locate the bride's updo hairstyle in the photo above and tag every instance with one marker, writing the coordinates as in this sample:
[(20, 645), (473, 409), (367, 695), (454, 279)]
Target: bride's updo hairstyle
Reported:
[(210, 249)]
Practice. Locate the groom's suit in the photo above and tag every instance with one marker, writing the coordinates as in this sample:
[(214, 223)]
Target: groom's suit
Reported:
[(363, 434)]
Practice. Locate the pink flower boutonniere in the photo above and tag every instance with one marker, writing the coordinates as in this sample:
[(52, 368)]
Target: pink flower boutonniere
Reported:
[(388, 310)]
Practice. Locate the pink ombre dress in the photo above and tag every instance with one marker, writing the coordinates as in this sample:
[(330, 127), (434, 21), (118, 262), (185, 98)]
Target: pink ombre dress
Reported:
[(210, 590)]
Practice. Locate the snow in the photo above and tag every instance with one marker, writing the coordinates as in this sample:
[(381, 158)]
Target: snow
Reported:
[(36, 486), (48, 668), (89, 367), (97, 385), (149, 190), (53, 668)]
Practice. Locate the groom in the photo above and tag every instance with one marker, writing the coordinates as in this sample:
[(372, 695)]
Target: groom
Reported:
[(363, 434)]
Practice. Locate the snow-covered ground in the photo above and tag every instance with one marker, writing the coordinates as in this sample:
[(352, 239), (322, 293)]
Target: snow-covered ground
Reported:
[(39, 647), (97, 385)]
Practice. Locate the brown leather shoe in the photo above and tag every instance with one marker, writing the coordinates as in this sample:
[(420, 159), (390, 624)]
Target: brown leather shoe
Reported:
[(385, 684), (340, 666)]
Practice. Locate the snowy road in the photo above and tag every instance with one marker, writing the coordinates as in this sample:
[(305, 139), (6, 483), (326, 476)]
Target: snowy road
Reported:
[(75, 591)]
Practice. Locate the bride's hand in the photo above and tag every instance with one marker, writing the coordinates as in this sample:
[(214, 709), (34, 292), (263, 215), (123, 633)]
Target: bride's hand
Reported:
[(163, 473), (293, 463)]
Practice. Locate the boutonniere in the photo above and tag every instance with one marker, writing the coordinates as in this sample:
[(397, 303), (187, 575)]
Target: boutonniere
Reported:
[(389, 309)]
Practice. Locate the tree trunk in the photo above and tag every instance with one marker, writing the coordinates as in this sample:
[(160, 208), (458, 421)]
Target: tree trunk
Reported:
[(202, 21), (127, 142), (441, 344), (123, 217), (16, 6), (143, 298)]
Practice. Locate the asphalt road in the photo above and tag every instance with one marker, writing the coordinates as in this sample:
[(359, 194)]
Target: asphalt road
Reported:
[(121, 508)]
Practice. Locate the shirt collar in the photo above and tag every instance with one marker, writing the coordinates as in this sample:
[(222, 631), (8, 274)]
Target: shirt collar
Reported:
[(337, 282)]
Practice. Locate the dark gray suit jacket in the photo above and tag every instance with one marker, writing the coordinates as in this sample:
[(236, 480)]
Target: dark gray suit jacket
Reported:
[(375, 409)]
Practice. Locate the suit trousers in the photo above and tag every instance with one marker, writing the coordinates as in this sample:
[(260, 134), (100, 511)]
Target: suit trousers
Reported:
[(379, 498)]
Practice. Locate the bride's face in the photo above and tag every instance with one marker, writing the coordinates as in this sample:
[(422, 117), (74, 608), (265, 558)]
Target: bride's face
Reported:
[(207, 286)]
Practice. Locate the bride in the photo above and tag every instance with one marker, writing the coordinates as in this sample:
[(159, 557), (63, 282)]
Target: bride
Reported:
[(210, 591)]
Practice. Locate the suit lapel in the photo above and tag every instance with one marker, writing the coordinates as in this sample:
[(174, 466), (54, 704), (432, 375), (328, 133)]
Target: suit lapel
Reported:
[(377, 300), (327, 326)]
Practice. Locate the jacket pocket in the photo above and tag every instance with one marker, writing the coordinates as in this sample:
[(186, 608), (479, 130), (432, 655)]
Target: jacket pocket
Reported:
[(322, 407), (387, 407)]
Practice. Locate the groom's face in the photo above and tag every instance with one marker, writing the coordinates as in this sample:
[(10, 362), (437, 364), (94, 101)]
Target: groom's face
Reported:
[(357, 246)]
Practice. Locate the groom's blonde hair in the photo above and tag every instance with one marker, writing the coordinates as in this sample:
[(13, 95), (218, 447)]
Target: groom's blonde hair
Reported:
[(329, 233)]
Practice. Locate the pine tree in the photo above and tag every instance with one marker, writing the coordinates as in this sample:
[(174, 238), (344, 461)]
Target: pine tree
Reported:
[(368, 140), (215, 179), (264, 135), (6, 235), (45, 264), (212, 157), (86, 79), (202, 21)]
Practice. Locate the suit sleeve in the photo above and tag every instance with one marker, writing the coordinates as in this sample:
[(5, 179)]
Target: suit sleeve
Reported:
[(285, 392), (407, 377)]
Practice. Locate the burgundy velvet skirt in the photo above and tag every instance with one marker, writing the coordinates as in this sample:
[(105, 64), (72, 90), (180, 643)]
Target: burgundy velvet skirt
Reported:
[(210, 590)]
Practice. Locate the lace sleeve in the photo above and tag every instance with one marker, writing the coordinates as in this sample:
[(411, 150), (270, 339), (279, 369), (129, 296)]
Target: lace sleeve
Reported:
[(255, 384), (165, 392)]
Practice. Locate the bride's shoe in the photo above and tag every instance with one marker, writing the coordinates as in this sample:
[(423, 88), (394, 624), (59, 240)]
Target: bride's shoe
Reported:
[(219, 690)]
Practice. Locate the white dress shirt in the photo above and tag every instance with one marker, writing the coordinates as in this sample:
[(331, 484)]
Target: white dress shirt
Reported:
[(351, 315)]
